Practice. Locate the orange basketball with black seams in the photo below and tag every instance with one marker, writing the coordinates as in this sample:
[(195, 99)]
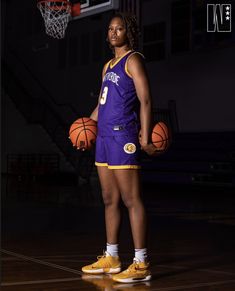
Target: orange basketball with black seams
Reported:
[(83, 132), (161, 136)]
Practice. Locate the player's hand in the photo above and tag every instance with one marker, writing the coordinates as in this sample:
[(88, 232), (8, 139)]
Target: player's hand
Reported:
[(150, 149), (81, 149)]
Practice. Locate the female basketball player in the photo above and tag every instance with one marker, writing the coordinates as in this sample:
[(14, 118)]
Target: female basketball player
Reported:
[(124, 108)]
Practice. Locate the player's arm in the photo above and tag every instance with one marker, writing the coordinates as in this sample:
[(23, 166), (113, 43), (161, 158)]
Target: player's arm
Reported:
[(137, 70), (94, 114)]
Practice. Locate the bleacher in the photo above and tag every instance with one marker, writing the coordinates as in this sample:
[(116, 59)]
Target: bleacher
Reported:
[(194, 158)]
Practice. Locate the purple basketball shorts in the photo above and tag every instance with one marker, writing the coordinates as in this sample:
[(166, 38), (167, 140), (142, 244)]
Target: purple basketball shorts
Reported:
[(118, 151)]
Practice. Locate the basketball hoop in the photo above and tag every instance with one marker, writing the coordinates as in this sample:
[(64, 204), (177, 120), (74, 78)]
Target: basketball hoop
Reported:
[(56, 15)]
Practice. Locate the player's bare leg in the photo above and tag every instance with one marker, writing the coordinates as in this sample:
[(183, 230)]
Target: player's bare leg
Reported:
[(129, 184), (109, 263), (111, 198)]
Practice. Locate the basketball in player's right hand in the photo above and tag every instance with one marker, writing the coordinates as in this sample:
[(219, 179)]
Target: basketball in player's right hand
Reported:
[(82, 133)]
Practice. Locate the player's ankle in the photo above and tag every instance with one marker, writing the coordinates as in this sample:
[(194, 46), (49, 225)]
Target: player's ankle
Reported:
[(141, 255), (112, 250)]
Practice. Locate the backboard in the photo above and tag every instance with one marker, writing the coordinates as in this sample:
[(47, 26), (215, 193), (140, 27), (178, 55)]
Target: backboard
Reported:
[(91, 7)]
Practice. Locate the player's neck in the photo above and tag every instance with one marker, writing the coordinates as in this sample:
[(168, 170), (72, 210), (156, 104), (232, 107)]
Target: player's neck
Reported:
[(120, 51)]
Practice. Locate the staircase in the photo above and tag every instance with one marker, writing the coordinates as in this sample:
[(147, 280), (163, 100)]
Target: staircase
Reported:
[(41, 109)]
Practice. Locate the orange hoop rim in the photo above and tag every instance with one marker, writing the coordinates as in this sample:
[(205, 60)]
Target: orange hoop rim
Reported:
[(65, 3), (61, 1), (75, 8)]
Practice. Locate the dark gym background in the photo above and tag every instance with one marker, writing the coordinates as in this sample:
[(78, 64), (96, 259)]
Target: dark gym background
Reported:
[(51, 200)]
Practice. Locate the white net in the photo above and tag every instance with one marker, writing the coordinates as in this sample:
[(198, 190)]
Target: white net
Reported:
[(56, 15)]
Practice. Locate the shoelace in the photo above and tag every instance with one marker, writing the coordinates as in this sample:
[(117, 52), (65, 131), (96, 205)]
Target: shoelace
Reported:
[(101, 259), (134, 266)]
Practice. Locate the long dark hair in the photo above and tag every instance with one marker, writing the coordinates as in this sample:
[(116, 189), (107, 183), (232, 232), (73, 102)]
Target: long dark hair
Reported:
[(132, 30)]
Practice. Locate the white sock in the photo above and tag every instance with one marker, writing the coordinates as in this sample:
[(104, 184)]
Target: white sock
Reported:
[(141, 255), (112, 250)]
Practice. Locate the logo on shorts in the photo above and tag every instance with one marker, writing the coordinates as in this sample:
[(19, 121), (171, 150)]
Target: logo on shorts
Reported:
[(129, 148)]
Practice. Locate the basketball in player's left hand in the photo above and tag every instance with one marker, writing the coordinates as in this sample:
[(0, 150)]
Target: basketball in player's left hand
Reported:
[(160, 140), (161, 137)]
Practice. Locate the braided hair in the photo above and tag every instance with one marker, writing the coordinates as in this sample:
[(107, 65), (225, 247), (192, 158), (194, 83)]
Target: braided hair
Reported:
[(132, 31)]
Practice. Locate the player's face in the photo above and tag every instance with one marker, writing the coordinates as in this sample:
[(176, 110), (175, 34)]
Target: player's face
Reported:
[(117, 32)]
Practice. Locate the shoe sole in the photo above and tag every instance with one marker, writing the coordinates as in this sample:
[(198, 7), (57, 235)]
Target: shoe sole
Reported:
[(102, 271), (133, 280)]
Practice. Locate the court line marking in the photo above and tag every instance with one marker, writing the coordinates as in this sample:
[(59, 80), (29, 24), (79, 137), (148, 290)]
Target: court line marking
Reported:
[(10, 258), (122, 254), (160, 265), (200, 270), (40, 281), (79, 272), (41, 262), (198, 285), (83, 261)]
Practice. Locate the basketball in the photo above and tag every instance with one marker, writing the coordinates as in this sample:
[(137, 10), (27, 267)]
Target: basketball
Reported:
[(82, 133), (161, 137)]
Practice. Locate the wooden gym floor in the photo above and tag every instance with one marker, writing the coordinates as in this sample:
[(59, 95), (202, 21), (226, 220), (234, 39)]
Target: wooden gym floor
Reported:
[(46, 240)]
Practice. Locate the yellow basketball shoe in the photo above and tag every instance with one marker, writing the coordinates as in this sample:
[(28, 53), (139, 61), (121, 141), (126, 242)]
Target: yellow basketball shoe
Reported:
[(136, 272), (105, 265)]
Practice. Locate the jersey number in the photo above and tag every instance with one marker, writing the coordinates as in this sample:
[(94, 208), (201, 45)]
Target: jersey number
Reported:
[(104, 96)]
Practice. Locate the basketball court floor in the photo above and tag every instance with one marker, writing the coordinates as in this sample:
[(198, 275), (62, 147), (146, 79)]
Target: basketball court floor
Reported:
[(46, 240)]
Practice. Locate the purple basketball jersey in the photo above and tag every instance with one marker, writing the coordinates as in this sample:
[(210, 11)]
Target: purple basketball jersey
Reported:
[(119, 104)]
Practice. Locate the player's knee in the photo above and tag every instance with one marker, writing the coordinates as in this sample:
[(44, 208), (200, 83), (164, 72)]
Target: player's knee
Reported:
[(109, 199), (129, 202)]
